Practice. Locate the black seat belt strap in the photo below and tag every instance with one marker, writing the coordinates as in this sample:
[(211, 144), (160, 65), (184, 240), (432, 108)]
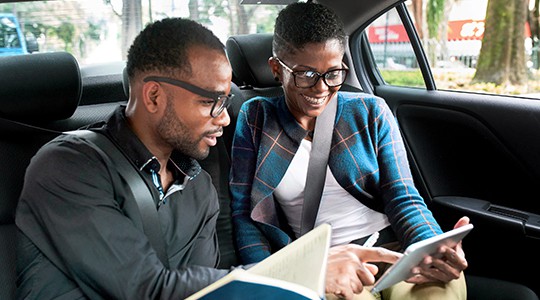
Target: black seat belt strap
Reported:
[(139, 188)]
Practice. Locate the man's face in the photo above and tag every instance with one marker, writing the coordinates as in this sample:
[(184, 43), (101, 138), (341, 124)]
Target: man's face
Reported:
[(187, 125)]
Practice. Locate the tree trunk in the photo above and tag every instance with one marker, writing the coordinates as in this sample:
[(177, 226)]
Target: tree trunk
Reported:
[(418, 13), (239, 17), (131, 23), (243, 19), (534, 24), (193, 6), (502, 56), (443, 29)]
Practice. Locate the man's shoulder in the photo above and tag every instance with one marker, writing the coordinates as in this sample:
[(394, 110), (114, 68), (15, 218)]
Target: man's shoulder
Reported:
[(62, 143), (64, 150)]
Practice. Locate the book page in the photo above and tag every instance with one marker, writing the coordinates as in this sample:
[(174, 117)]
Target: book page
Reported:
[(302, 262), (299, 267)]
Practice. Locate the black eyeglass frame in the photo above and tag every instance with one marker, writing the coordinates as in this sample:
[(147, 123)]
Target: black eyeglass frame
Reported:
[(216, 97), (319, 75)]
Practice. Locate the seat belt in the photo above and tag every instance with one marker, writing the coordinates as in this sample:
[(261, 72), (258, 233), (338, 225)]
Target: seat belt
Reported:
[(318, 162), (140, 190)]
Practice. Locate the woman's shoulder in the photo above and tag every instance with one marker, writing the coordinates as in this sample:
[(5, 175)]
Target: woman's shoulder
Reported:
[(353, 97), (361, 101), (262, 105), (262, 101)]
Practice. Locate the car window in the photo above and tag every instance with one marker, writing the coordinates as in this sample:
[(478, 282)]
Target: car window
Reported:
[(391, 49), (471, 57), (100, 31)]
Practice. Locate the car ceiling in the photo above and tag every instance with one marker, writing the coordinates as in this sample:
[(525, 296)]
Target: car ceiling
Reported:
[(346, 9)]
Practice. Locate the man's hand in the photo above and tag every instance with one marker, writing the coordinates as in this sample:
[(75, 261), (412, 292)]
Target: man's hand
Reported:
[(349, 270)]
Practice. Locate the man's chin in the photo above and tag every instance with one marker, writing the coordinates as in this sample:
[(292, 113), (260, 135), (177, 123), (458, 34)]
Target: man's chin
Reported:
[(201, 154)]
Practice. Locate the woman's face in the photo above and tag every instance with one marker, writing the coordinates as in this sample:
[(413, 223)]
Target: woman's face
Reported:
[(306, 103)]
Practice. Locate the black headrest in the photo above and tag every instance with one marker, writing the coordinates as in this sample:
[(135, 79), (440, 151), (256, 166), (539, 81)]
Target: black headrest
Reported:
[(40, 86), (249, 54), (125, 82)]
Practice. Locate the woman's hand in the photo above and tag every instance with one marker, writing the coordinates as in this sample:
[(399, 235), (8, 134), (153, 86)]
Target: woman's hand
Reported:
[(349, 270), (446, 265)]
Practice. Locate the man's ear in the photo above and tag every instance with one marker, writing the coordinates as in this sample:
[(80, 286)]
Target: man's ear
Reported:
[(151, 92)]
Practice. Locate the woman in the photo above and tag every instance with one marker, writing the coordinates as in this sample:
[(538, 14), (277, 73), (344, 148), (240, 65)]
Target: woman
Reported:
[(368, 187)]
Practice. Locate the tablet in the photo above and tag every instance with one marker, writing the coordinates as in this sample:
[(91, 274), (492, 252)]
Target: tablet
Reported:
[(414, 254)]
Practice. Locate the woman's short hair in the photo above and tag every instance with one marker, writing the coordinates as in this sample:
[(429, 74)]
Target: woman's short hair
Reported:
[(302, 23)]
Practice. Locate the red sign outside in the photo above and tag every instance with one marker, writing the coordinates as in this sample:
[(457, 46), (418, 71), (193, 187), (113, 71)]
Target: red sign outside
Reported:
[(457, 30)]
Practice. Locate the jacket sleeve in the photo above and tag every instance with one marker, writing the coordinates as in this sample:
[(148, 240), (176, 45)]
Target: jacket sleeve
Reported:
[(405, 208), (251, 243), (69, 209)]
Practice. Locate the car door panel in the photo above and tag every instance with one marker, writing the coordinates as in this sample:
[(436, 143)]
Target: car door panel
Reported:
[(477, 155), (471, 154)]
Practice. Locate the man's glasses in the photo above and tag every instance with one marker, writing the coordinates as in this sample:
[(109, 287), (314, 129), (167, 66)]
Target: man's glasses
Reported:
[(308, 78), (221, 101)]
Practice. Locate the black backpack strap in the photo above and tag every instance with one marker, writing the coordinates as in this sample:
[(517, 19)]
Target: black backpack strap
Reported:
[(141, 192)]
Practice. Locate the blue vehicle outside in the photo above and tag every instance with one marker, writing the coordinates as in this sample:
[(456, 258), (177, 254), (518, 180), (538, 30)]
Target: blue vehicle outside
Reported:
[(12, 39)]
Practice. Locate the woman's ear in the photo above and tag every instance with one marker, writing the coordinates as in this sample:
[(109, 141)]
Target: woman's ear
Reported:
[(275, 68)]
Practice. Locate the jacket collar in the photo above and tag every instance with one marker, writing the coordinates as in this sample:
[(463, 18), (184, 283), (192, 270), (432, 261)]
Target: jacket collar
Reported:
[(117, 128)]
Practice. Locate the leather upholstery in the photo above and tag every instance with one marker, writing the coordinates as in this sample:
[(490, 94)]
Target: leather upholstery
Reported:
[(41, 86)]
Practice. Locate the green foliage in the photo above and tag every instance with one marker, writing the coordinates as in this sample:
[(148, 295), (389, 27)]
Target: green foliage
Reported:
[(266, 23), (65, 32), (411, 78), (94, 31), (207, 8), (435, 11)]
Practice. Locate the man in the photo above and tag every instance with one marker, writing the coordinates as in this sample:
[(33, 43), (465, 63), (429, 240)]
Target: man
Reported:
[(80, 235)]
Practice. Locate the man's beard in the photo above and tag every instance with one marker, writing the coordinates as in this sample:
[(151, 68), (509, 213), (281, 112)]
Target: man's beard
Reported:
[(178, 135)]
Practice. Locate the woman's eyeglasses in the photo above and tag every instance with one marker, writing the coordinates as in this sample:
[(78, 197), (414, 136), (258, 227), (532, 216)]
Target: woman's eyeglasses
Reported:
[(308, 78)]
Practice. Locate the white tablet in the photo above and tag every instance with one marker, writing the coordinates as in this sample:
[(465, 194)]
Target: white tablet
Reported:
[(414, 254)]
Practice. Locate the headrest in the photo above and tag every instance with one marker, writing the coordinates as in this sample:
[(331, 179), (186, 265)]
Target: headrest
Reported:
[(39, 87), (125, 82), (249, 54)]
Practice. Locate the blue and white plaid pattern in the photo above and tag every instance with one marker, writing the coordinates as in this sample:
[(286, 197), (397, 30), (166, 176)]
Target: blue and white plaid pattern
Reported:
[(367, 158)]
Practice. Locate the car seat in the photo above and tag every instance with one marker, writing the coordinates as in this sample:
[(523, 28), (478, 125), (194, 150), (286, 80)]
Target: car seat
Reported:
[(249, 54), (40, 89)]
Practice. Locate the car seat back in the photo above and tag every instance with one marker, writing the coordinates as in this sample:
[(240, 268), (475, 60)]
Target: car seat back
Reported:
[(38, 88)]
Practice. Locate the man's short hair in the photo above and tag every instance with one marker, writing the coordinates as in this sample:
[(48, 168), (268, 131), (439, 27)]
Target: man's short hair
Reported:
[(303, 23), (163, 46)]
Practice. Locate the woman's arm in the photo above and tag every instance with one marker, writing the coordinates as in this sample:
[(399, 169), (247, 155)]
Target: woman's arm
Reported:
[(251, 244)]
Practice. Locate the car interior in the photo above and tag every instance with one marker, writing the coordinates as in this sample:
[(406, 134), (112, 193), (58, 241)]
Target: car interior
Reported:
[(42, 107), (46, 94)]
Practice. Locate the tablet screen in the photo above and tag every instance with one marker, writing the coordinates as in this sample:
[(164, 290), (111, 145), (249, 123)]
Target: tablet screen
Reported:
[(414, 254)]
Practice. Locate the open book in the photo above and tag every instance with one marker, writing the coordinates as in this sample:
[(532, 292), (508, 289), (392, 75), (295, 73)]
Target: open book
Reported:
[(297, 271)]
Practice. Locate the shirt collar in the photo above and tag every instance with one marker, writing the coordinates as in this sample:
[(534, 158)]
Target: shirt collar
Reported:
[(118, 128)]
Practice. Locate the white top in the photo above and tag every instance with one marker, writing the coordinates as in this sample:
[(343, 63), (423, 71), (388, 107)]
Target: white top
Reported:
[(349, 218)]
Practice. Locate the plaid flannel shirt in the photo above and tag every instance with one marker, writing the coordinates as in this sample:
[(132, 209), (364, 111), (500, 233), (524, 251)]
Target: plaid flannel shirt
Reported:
[(367, 158)]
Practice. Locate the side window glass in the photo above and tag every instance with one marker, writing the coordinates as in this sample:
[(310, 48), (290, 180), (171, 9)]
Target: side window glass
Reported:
[(392, 51), (465, 45)]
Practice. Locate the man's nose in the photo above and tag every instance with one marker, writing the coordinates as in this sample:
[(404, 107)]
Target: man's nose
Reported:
[(223, 119)]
